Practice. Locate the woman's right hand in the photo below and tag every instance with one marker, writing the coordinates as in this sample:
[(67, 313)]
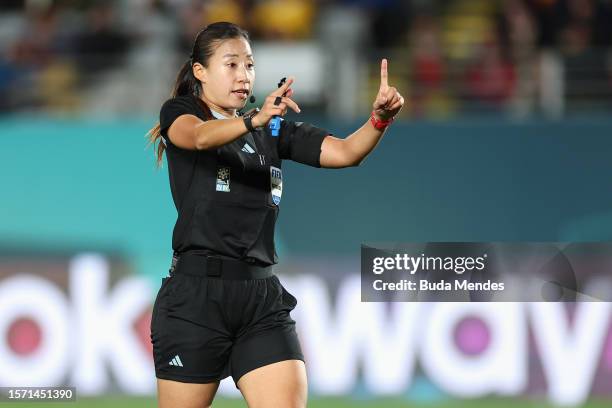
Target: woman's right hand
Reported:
[(269, 110)]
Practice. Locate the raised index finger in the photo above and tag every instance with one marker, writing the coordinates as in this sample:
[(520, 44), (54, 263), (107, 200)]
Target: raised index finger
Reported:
[(383, 74), (280, 91)]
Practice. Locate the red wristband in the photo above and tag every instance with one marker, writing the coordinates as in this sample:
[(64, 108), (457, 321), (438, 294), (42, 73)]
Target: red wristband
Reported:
[(378, 123)]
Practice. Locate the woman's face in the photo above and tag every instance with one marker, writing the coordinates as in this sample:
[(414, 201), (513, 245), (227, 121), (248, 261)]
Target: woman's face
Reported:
[(228, 80)]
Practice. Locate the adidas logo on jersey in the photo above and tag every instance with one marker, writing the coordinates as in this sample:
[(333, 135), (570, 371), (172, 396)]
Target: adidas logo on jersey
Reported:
[(176, 361), (247, 148)]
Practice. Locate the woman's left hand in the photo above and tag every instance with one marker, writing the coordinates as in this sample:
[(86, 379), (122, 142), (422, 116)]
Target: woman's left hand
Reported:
[(388, 101)]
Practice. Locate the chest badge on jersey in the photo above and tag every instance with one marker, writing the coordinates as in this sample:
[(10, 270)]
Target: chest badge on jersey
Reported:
[(223, 179), (276, 184)]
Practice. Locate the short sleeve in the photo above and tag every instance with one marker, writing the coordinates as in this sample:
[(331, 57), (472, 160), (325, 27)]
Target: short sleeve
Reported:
[(301, 142), (172, 109)]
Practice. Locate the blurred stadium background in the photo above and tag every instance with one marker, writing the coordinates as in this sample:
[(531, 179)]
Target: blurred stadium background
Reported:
[(506, 135)]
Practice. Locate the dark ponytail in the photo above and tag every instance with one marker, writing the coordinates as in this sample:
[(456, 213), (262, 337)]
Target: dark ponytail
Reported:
[(186, 83)]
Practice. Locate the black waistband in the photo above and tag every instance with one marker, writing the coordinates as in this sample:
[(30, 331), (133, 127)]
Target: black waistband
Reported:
[(207, 265)]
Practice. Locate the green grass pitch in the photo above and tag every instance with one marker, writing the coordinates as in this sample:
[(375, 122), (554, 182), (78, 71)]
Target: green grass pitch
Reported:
[(129, 402)]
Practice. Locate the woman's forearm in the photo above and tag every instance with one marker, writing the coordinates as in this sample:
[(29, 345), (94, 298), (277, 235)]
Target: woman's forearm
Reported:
[(215, 133), (361, 142)]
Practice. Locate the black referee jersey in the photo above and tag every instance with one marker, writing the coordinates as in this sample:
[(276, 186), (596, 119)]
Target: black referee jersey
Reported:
[(228, 198)]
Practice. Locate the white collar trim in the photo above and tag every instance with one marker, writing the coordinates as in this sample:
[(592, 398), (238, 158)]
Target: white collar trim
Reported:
[(219, 115)]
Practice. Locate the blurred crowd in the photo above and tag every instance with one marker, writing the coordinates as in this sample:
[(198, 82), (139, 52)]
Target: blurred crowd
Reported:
[(510, 55), (449, 56)]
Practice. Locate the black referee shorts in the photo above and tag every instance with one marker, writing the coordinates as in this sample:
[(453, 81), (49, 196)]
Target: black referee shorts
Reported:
[(204, 329)]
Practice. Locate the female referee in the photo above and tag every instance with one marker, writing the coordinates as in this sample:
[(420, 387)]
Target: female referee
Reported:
[(221, 311)]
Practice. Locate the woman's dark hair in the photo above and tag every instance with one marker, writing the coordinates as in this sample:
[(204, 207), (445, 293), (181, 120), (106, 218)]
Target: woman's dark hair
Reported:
[(204, 46)]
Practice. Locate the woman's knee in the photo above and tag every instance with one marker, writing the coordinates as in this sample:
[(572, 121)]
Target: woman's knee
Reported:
[(172, 394), (281, 384)]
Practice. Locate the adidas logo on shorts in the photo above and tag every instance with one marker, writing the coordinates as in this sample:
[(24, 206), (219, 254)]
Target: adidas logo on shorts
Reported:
[(176, 361)]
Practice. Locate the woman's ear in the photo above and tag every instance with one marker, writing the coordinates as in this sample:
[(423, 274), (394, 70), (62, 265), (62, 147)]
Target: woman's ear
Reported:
[(199, 72)]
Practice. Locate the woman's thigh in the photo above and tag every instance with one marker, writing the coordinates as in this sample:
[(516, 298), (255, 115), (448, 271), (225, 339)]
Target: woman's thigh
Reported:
[(282, 384), (174, 394)]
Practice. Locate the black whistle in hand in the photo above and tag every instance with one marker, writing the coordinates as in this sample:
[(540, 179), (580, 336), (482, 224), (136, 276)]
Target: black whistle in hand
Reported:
[(275, 121)]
